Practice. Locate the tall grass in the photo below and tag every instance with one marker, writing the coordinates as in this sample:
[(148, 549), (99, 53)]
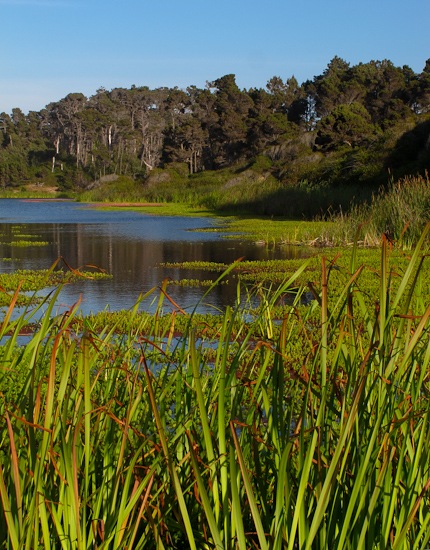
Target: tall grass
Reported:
[(308, 431), (400, 212)]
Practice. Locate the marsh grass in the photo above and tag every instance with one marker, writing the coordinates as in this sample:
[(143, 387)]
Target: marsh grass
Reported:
[(400, 212), (308, 431), (30, 282)]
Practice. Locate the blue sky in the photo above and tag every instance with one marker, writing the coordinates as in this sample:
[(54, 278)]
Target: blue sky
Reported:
[(53, 47)]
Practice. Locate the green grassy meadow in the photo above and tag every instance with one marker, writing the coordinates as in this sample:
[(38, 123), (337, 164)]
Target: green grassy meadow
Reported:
[(280, 423)]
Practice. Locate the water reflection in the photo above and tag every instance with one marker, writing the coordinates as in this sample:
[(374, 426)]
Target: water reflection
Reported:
[(129, 245)]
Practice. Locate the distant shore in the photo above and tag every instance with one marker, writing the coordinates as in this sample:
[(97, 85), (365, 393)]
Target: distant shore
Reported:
[(125, 204)]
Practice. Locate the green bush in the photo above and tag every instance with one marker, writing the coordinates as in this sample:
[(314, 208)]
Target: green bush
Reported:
[(118, 189)]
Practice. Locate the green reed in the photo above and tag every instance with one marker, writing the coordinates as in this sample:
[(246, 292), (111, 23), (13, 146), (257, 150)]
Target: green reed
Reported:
[(401, 212), (308, 430)]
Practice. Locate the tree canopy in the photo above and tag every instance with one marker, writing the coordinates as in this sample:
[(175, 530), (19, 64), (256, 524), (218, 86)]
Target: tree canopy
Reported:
[(79, 139)]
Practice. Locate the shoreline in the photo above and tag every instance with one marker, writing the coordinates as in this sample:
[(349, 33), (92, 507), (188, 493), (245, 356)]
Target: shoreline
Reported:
[(125, 204)]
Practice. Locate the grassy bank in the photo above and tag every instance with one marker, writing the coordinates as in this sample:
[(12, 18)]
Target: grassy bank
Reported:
[(306, 429), (248, 199), (250, 203)]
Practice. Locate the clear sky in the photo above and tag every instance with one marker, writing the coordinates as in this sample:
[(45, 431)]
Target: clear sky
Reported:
[(53, 47)]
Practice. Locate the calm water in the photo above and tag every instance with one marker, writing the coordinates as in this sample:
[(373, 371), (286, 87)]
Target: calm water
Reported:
[(129, 245)]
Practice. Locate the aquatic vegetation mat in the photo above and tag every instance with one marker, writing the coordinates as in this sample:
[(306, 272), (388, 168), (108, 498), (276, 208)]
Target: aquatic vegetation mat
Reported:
[(30, 282), (301, 427)]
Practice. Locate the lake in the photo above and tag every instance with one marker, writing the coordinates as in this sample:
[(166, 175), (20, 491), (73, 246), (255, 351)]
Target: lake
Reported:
[(129, 245)]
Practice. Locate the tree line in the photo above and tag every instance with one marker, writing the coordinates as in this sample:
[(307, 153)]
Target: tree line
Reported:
[(352, 111)]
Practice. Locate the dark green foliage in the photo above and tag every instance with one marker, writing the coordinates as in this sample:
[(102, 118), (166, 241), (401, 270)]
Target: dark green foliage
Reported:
[(411, 153), (346, 125), (351, 126), (13, 167)]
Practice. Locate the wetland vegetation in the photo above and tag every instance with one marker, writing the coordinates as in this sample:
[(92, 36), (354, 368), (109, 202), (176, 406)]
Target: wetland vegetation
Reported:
[(291, 150), (30, 282), (297, 415), (283, 424)]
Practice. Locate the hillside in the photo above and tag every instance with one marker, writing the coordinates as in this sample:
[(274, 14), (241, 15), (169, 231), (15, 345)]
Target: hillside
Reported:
[(291, 149)]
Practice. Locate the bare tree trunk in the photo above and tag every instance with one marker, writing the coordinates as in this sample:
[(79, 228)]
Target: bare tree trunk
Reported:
[(146, 164)]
